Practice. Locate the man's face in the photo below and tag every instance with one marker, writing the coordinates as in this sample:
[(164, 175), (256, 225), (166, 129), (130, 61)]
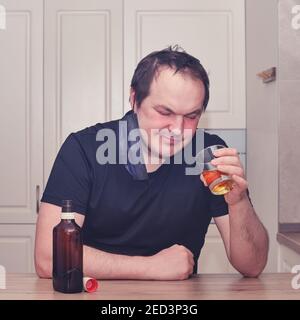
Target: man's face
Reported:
[(169, 115)]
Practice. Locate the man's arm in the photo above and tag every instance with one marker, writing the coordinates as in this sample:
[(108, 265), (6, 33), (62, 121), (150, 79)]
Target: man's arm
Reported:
[(245, 238), (174, 263)]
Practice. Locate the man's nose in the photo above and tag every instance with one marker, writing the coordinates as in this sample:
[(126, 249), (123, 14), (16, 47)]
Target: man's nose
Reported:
[(177, 125)]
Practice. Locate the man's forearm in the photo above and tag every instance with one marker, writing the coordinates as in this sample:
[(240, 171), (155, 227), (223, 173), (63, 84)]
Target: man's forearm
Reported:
[(173, 263), (104, 265), (248, 239)]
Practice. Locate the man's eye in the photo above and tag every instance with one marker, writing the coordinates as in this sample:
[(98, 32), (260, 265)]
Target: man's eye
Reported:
[(192, 116), (164, 113)]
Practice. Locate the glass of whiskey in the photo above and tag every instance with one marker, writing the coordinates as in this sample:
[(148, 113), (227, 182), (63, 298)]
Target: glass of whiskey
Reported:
[(218, 182)]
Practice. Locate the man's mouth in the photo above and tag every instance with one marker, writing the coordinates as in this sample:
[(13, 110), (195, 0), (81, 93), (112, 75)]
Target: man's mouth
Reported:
[(172, 139)]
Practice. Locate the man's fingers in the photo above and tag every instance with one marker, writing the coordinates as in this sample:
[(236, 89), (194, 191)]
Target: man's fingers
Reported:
[(229, 160), (192, 261), (190, 252), (191, 271), (203, 180), (225, 152), (231, 170), (241, 182)]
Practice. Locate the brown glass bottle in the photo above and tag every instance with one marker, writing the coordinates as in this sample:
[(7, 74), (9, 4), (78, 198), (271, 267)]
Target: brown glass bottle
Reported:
[(67, 271)]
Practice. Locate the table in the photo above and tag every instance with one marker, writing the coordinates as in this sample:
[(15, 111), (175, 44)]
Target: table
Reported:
[(205, 286)]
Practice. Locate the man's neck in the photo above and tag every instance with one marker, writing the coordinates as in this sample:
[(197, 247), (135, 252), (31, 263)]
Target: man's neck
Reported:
[(152, 167), (152, 164)]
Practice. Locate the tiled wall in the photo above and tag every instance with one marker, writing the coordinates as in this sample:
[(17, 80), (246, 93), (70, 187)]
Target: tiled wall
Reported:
[(289, 126)]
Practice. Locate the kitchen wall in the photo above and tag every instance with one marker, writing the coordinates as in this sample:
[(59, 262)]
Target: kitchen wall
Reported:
[(289, 125), (262, 117)]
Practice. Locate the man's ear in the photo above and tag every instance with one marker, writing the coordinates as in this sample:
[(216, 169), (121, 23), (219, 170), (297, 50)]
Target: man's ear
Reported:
[(132, 98)]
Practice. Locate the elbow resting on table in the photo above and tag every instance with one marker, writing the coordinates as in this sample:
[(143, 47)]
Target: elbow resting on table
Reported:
[(43, 267), (252, 274), (247, 270)]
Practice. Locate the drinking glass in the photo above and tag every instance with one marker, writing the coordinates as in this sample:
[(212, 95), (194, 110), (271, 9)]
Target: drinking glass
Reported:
[(218, 182)]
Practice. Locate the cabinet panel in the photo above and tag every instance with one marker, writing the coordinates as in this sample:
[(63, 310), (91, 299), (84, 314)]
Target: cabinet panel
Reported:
[(83, 79), (213, 31), (83, 68), (213, 258), (17, 247), (288, 258), (21, 110)]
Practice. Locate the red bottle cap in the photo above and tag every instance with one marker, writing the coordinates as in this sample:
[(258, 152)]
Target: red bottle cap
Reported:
[(90, 284)]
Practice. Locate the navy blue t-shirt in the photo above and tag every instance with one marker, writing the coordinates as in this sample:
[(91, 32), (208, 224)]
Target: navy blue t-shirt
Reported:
[(128, 216)]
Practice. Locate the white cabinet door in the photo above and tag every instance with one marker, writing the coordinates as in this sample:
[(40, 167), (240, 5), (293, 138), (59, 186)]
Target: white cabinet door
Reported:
[(288, 258), (213, 258), (17, 247), (211, 30), (21, 110), (83, 68)]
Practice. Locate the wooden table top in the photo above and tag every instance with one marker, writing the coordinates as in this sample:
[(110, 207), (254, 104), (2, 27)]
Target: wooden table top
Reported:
[(206, 286)]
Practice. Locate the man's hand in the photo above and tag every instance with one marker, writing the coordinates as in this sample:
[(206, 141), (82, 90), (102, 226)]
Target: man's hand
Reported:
[(173, 263), (228, 161)]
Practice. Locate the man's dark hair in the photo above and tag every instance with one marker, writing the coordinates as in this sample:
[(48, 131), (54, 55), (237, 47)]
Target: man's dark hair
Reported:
[(175, 58)]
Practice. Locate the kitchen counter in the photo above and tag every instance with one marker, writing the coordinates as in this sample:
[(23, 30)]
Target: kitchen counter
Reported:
[(206, 286), (290, 240)]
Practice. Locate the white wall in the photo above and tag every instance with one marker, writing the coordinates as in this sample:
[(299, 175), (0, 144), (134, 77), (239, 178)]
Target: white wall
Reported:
[(289, 128), (262, 116)]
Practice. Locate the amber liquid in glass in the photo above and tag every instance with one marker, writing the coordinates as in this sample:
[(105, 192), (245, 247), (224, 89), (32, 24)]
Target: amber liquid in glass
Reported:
[(219, 183)]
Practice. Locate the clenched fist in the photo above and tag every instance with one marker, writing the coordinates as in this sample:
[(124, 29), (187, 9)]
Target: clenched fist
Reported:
[(173, 263)]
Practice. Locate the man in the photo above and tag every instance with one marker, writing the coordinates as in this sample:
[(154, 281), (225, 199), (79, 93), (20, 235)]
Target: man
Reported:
[(148, 221)]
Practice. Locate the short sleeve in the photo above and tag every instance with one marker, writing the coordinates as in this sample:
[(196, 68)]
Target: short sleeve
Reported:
[(217, 205), (70, 177)]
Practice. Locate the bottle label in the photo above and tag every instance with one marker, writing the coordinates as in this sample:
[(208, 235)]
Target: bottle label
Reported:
[(67, 215)]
